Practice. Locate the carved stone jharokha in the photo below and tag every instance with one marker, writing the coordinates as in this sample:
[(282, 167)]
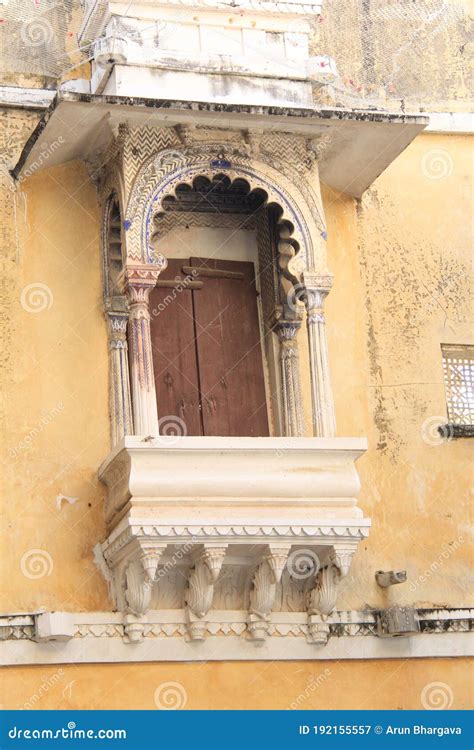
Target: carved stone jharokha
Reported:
[(120, 405), (199, 530), (137, 282)]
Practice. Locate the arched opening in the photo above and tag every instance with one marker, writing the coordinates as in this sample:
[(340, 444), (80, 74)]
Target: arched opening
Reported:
[(113, 243), (213, 311)]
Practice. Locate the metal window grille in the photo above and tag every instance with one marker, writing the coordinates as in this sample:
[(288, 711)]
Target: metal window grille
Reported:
[(458, 366)]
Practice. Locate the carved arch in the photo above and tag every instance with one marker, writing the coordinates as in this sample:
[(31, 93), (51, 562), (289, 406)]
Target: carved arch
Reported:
[(164, 171)]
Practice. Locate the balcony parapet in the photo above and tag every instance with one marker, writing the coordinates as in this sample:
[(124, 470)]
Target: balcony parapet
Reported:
[(247, 520)]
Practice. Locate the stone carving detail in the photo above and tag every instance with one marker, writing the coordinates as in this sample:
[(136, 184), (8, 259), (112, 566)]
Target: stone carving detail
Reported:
[(290, 378), (341, 557), (143, 166), (119, 389), (137, 282), (133, 629), (200, 591), (323, 596), (139, 579), (324, 422), (263, 591), (228, 534), (165, 170), (321, 602), (139, 145)]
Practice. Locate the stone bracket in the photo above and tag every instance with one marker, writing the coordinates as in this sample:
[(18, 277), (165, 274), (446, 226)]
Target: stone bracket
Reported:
[(322, 598), (200, 591), (262, 594)]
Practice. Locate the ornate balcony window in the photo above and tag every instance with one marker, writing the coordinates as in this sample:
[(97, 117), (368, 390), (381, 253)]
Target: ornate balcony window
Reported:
[(228, 490), (220, 499)]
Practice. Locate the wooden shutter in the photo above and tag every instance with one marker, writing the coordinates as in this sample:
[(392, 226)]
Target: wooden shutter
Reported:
[(229, 350), (174, 350)]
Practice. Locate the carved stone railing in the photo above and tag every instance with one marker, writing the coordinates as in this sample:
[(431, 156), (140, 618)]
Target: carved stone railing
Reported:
[(249, 520)]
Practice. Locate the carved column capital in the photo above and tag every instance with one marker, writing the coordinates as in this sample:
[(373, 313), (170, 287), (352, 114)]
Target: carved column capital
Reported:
[(316, 289), (117, 324), (287, 331), (138, 280)]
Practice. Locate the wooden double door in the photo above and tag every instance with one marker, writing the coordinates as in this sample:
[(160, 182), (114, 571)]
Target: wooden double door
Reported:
[(207, 350)]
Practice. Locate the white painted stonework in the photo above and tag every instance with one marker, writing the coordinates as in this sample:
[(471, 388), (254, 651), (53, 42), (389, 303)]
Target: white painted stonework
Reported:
[(102, 637), (195, 522), (257, 53)]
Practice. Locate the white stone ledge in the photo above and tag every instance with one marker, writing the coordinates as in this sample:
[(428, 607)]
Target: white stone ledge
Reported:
[(99, 638), (234, 648), (450, 123), (16, 96)]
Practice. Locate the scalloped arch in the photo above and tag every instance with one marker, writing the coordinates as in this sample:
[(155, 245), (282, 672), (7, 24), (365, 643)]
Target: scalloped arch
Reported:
[(163, 172)]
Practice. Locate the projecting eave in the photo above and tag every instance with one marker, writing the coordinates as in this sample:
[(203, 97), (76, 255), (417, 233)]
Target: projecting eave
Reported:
[(358, 144)]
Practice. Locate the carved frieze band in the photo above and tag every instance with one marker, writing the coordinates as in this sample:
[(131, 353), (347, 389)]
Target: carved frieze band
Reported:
[(157, 625)]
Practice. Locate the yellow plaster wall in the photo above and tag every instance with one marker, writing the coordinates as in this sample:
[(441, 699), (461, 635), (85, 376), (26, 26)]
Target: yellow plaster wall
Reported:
[(402, 263), (389, 684), (55, 397)]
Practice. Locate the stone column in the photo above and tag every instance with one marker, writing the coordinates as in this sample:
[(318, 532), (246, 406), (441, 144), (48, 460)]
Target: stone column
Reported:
[(137, 282), (293, 420), (324, 422), (119, 387)]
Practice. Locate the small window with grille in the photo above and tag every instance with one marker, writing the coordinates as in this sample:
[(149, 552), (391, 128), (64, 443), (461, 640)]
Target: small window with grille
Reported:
[(458, 367)]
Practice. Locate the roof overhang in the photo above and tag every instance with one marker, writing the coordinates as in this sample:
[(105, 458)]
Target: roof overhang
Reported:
[(358, 145)]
